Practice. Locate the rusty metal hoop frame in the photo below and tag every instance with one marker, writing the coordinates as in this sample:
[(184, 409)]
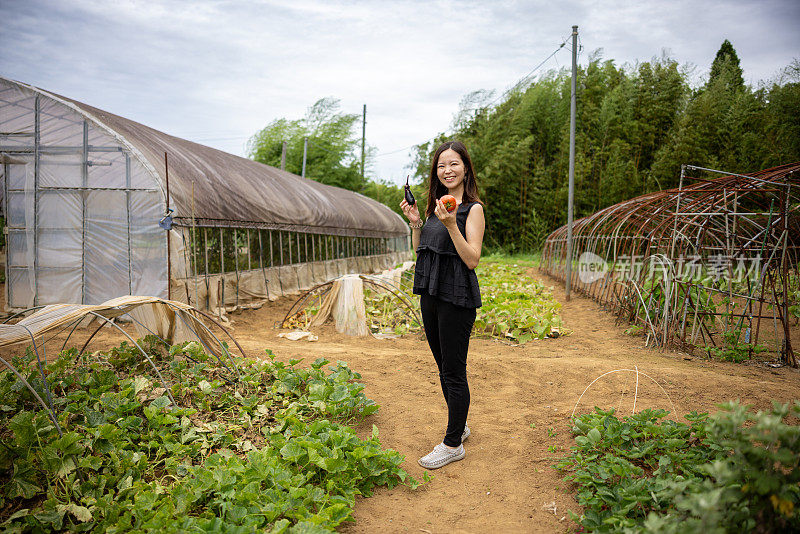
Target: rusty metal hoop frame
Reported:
[(48, 406), (754, 216), (408, 307), (299, 304)]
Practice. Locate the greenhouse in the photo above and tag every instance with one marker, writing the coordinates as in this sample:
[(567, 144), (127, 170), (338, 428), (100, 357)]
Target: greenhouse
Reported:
[(97, 206)]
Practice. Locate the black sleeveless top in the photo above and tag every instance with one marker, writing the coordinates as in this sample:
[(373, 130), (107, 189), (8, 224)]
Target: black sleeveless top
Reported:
[(440, 271)]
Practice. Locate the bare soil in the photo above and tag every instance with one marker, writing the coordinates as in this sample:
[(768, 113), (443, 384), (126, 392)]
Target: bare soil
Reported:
[(522, 399)]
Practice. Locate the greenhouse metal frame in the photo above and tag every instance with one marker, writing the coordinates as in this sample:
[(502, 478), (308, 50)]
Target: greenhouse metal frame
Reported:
[(711, 264)]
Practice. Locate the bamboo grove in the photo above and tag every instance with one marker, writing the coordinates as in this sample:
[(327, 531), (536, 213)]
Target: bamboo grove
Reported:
[(636, 126)]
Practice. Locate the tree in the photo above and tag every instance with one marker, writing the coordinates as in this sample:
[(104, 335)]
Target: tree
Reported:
[(635, 127), (781, 118), (387, 194), (726, 63), (720, 126), (334, 150)]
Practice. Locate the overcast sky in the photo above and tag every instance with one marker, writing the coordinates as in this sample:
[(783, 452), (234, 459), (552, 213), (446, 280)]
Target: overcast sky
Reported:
[(215, 72)]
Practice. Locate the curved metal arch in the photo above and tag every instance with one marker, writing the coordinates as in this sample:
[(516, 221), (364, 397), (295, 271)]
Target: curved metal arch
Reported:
[(26, 310), (39, 361), (298, 304), (75, 326), (214, 322), (152, 364), (403, 293), (86, 344), (177, 309), (397, 292), (696, 218), (35, 394), (224, 350), (402, 298)]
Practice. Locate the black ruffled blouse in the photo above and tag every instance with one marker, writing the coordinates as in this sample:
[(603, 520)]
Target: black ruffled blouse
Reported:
[(440, 271)]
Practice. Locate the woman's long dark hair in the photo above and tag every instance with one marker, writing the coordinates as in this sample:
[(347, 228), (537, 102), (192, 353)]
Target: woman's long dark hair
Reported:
[(435, 188)]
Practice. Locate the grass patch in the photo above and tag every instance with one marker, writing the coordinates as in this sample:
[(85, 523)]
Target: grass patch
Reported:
[(525, 260)]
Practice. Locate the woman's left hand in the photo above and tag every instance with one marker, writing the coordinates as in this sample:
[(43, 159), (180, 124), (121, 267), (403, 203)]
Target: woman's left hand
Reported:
[(448, 218)]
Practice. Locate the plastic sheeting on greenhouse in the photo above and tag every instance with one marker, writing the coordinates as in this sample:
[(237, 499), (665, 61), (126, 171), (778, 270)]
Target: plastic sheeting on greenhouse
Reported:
[(81, 212), (229, 190), (85, 190)]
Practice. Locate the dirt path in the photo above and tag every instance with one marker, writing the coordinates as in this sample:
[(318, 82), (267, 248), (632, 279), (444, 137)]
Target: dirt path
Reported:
[(522, 398)]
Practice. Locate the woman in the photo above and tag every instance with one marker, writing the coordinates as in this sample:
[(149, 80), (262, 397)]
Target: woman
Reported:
[(448, 250)]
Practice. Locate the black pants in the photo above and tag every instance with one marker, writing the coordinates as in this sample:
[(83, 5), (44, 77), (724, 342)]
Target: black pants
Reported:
[(447, 328)]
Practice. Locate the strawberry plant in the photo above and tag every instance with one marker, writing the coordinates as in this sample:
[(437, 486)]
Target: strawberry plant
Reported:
[(753, 487), (269, 451), (515, 307), (732, 472)]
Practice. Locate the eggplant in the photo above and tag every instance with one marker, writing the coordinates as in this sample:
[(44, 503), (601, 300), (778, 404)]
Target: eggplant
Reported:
[(409, 197)]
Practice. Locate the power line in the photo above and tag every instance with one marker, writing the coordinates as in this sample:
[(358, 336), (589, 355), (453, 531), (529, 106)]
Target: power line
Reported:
[(516, 85), (312, 143), (527, 76), (512, 88), (448, 131), (398, 150)]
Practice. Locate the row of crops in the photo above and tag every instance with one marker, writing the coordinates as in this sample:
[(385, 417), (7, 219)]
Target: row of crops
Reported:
[(734, 471), (270, 451), (517, 308)]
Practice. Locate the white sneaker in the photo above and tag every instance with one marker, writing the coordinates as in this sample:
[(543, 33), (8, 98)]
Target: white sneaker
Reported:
[(465, 434), (441, 456)]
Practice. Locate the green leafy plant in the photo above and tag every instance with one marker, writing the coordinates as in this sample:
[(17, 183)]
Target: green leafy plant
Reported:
[(516, 307), (733, 349), (754, 487), (793, 296), (732, 472), (633, 330), (385, 312), (269, 450)]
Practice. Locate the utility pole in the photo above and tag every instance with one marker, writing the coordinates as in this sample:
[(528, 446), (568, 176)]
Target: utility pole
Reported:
[(571, 194), (283, 156), (305, 153), (363, 139)]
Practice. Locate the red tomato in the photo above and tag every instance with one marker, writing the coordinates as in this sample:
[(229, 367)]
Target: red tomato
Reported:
[(449, 202)]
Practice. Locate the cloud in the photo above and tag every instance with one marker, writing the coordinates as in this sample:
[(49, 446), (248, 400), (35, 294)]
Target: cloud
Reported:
[(217, 71)]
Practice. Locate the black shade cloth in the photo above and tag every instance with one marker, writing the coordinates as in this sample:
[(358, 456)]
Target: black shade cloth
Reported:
[(440, 271)]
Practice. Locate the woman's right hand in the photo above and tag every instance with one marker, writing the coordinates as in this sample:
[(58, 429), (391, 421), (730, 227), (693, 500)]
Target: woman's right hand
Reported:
[(411, 212)]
